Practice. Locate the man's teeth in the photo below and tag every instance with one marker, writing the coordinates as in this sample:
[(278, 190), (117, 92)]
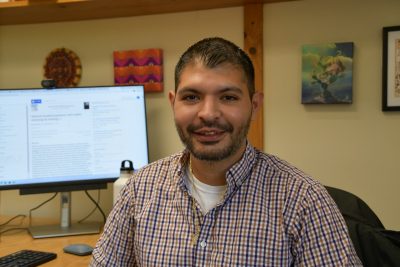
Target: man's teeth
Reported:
[(210, 133)]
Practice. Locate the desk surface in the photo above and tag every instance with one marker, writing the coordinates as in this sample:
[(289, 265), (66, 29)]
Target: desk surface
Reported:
[(17, 240)]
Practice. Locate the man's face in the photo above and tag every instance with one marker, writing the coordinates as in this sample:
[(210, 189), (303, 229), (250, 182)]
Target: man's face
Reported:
[(213, 111)]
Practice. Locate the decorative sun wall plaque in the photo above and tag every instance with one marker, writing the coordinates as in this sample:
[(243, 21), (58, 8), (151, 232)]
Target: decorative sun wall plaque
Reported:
[(327, 73), (63, 66), (142, 66)]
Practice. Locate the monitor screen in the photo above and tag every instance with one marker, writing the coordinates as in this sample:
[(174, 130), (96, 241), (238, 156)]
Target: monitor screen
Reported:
[(70, 136)]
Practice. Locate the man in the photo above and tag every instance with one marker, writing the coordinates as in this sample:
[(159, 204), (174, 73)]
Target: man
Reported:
[(221, 202)]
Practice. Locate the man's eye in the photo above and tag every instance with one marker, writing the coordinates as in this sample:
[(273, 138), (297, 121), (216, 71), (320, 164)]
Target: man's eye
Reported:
[(229, 98), (190, 98)]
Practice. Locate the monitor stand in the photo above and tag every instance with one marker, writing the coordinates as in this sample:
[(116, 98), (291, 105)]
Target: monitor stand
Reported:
[(45, 231), (65, 228)]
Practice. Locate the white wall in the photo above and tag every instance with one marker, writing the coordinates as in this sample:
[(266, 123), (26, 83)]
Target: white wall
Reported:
[(352, 146)]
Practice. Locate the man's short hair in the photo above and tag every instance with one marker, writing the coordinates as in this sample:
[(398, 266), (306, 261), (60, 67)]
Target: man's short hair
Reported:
[(213, 52)]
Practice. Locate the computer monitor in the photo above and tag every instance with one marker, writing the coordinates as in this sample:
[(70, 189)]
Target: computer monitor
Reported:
[(69, 139)]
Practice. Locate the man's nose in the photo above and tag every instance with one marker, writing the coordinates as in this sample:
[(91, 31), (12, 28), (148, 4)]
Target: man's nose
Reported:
[(210, 109)]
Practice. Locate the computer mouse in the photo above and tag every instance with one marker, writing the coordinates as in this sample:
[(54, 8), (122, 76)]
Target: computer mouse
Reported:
[(79, 249)]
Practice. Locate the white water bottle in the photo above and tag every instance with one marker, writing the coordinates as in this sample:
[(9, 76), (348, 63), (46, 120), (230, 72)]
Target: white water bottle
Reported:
[(125, 173)]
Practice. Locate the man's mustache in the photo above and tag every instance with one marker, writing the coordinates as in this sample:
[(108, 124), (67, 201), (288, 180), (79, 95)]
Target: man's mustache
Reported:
[(210, 124)]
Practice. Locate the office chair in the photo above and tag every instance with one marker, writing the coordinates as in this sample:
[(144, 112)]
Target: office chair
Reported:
[(375, 246)]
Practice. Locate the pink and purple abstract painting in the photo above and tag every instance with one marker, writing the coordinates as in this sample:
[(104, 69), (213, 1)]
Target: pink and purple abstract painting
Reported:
[(144, 66)]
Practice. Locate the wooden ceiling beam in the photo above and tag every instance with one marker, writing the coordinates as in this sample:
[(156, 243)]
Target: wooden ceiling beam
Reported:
[(41, 11)]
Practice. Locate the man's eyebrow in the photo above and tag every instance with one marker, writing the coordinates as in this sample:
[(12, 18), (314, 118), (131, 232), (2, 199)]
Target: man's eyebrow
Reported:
[(232, 89), (223, 90), (186, 90)]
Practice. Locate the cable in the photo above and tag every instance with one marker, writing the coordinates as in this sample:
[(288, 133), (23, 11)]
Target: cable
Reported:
[(13, 229), (12, 219), (5, 224), (38, 206), (93, 210), (97, 205)]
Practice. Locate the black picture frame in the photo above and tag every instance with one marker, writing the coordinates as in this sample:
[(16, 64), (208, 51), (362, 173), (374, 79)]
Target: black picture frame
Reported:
[(391, 69)]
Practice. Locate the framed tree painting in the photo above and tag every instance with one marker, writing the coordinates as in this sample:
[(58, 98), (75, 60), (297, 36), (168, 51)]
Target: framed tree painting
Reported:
[(327, 73)]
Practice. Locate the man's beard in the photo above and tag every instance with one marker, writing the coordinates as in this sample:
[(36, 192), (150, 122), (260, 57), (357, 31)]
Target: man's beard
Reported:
[(236, 140)]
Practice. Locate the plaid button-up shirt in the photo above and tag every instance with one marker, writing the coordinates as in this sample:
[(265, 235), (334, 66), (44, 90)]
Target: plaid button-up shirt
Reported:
[(272, 215)]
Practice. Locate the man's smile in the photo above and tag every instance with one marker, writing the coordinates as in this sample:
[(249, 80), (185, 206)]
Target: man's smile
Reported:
[(206, 135)]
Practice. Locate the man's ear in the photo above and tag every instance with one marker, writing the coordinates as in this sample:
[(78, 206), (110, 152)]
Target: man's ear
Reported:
[(256, 104), (171, 97)]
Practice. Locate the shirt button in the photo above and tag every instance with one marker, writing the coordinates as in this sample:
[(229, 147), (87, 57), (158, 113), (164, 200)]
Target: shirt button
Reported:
[(203, 244)]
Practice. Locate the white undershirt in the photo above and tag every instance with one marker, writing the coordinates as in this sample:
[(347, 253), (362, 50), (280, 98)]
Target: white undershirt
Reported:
[(208, 196)]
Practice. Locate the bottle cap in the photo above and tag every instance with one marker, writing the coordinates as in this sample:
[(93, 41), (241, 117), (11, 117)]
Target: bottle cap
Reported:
[(128, 168)]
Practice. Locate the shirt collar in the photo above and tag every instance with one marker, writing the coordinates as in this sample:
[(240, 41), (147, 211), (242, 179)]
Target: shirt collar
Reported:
[(235, 176)]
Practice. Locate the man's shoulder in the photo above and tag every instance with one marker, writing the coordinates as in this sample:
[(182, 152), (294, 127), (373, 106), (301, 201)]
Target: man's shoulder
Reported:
[(280, 165), (283, 172), (159, 167), (157, 176), (159, 173), (294, 189)]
